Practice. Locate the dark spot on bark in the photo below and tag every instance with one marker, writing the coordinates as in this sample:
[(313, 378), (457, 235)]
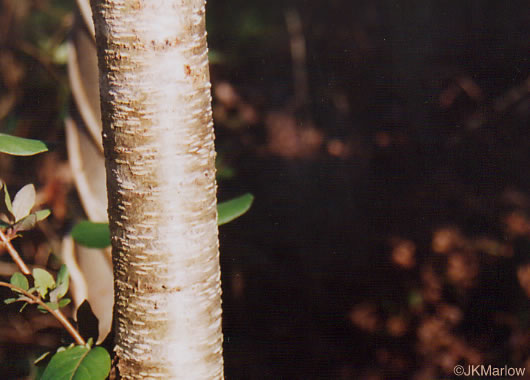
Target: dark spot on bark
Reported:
[(177, 289), (187, 69)]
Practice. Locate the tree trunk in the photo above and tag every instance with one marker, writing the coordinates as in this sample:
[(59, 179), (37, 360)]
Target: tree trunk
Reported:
[(160, 162)]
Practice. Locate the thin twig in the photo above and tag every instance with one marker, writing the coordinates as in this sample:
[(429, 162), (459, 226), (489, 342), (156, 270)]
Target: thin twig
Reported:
[(14, 254), (56, 313)]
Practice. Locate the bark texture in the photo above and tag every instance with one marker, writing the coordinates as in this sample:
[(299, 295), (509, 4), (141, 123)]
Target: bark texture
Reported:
[(160, 161)]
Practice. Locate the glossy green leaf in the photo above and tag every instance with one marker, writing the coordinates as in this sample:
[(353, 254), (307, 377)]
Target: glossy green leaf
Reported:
[(7, 199), (92, 235), (78, 363), (42, 357), (19, 146), (24, 201), (26, 223), (61, 289), (63, 276), (6, 207), (234, 208), (63, 302), (43, 281), (19, 280), (42, 214), (51, 305), (24, 298), (40, 365), (42, 309)]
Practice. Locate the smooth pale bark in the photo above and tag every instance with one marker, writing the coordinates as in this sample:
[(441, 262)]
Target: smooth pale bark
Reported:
[(160, 161)]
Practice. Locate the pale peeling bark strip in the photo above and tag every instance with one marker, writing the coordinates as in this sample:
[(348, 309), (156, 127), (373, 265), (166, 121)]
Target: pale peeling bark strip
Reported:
[(160, 161)]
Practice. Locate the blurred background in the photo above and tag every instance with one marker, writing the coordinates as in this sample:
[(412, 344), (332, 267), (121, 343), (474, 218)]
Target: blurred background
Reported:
[(387, 145)]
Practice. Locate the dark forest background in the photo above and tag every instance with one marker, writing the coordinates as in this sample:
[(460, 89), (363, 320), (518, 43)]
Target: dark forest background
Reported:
[(387, 144)]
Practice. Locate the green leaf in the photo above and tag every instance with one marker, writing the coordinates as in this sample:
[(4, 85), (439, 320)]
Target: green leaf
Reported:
[(41, 309), (26, 223), (24, 298), (63, 302), (62, 277), (7, 301), (19, 146), (19, 280), (92, 235), (78, 363), (7, 199), (5, 204), (42, 357), (61, 289), (23, 202), (43, 281), (42, 214), (51, 305), (30, 221), (234, 208)]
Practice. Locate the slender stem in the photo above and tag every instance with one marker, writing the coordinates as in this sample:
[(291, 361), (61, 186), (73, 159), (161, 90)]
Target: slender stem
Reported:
[(56, 313), (14, 254)]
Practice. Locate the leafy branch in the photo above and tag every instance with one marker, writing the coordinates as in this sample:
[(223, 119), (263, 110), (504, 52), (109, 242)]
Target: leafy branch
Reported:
[(16, 216), (32, 299), (68, 362)]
